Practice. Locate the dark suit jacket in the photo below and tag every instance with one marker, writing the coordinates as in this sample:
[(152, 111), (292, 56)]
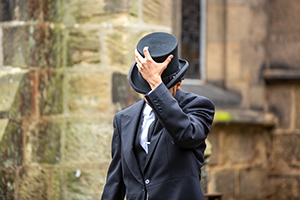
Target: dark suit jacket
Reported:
[(175, 155)]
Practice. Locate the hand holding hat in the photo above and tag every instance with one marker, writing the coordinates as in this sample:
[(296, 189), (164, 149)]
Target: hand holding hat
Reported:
[(160, 57), (149, 69)]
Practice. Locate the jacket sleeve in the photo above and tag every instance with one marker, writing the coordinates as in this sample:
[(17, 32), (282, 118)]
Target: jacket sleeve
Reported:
[(188, 122), (114, 188)]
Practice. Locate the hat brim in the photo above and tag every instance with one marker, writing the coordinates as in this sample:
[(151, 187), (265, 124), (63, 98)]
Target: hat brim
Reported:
[(140, 85)]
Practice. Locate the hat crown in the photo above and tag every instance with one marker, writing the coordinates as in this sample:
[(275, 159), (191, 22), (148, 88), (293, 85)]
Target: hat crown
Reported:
[(161, 45)]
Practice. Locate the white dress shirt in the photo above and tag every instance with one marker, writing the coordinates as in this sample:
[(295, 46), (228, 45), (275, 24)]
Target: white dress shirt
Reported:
[(148, 118)]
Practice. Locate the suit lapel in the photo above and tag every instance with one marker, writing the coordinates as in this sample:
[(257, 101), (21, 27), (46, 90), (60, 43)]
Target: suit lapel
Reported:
[(130, 122)]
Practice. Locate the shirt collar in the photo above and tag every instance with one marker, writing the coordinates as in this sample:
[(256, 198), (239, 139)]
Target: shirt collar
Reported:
[(147, 109)]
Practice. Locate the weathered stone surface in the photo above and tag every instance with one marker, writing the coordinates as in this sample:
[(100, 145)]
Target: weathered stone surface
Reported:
[(52, 10), (246, 146), (87, 140), (215, 23), (43, 141), (257, 97), (133, 11), (7, 183), (278, 97), (84, 183), (283, 15), (9, 80), (157, 12), (253, 183), (122, 93), (33, 184), (24, 103), (83, 46), (88, 93), (237, 27), (50, 93), (297, 106), (11, 145), (215, 62), (283, 187), (285, 154), (116, 46), (95, 11), (284, 37), (29, 10), (225, 183), (7, 10), (32, 46), (213, 138), (253, 62), (3, 125), (233, 61)]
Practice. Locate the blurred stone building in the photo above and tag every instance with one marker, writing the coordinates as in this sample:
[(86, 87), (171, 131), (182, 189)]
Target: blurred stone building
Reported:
[(63, 76)]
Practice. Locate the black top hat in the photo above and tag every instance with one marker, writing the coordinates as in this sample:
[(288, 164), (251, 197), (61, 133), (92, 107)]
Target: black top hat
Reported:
[(161, 45)]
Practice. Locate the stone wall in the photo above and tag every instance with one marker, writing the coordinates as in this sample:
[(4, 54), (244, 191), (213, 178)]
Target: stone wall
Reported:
[(63, 76), (64, 66), (253, 49)]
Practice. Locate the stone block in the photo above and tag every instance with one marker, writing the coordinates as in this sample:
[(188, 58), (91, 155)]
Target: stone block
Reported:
[(213, 138), (83, 46), (297, 107), (9, 81), (233, 61), (11, 144), (252, 62), (3, 125), (258, 20), (282, 48), (283, 187), (257, 97), (133, 11), (285, 154), (24, 103), (241, 146), (215, 23), (116, 48), (7, 183), (43, 141), (88, 93), (122, 93), (253, 179), (279, 98), (33, 184), (284, 16), (29, 10), (87, 140), (32, 46), (215, 61), (92, 11), (52, 10), (237, 26), (84, 183), (6, 11), (156, 12), (50, 92), (225, 183)]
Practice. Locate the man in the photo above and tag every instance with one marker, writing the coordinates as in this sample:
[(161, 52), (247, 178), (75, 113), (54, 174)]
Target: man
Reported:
[(161, 161)]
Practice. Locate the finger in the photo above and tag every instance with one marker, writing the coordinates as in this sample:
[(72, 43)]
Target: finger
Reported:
[(138, 56), (146, 53), (168, 60)]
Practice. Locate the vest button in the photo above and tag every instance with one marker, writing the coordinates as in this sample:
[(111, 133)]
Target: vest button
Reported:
[(147, 181)]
